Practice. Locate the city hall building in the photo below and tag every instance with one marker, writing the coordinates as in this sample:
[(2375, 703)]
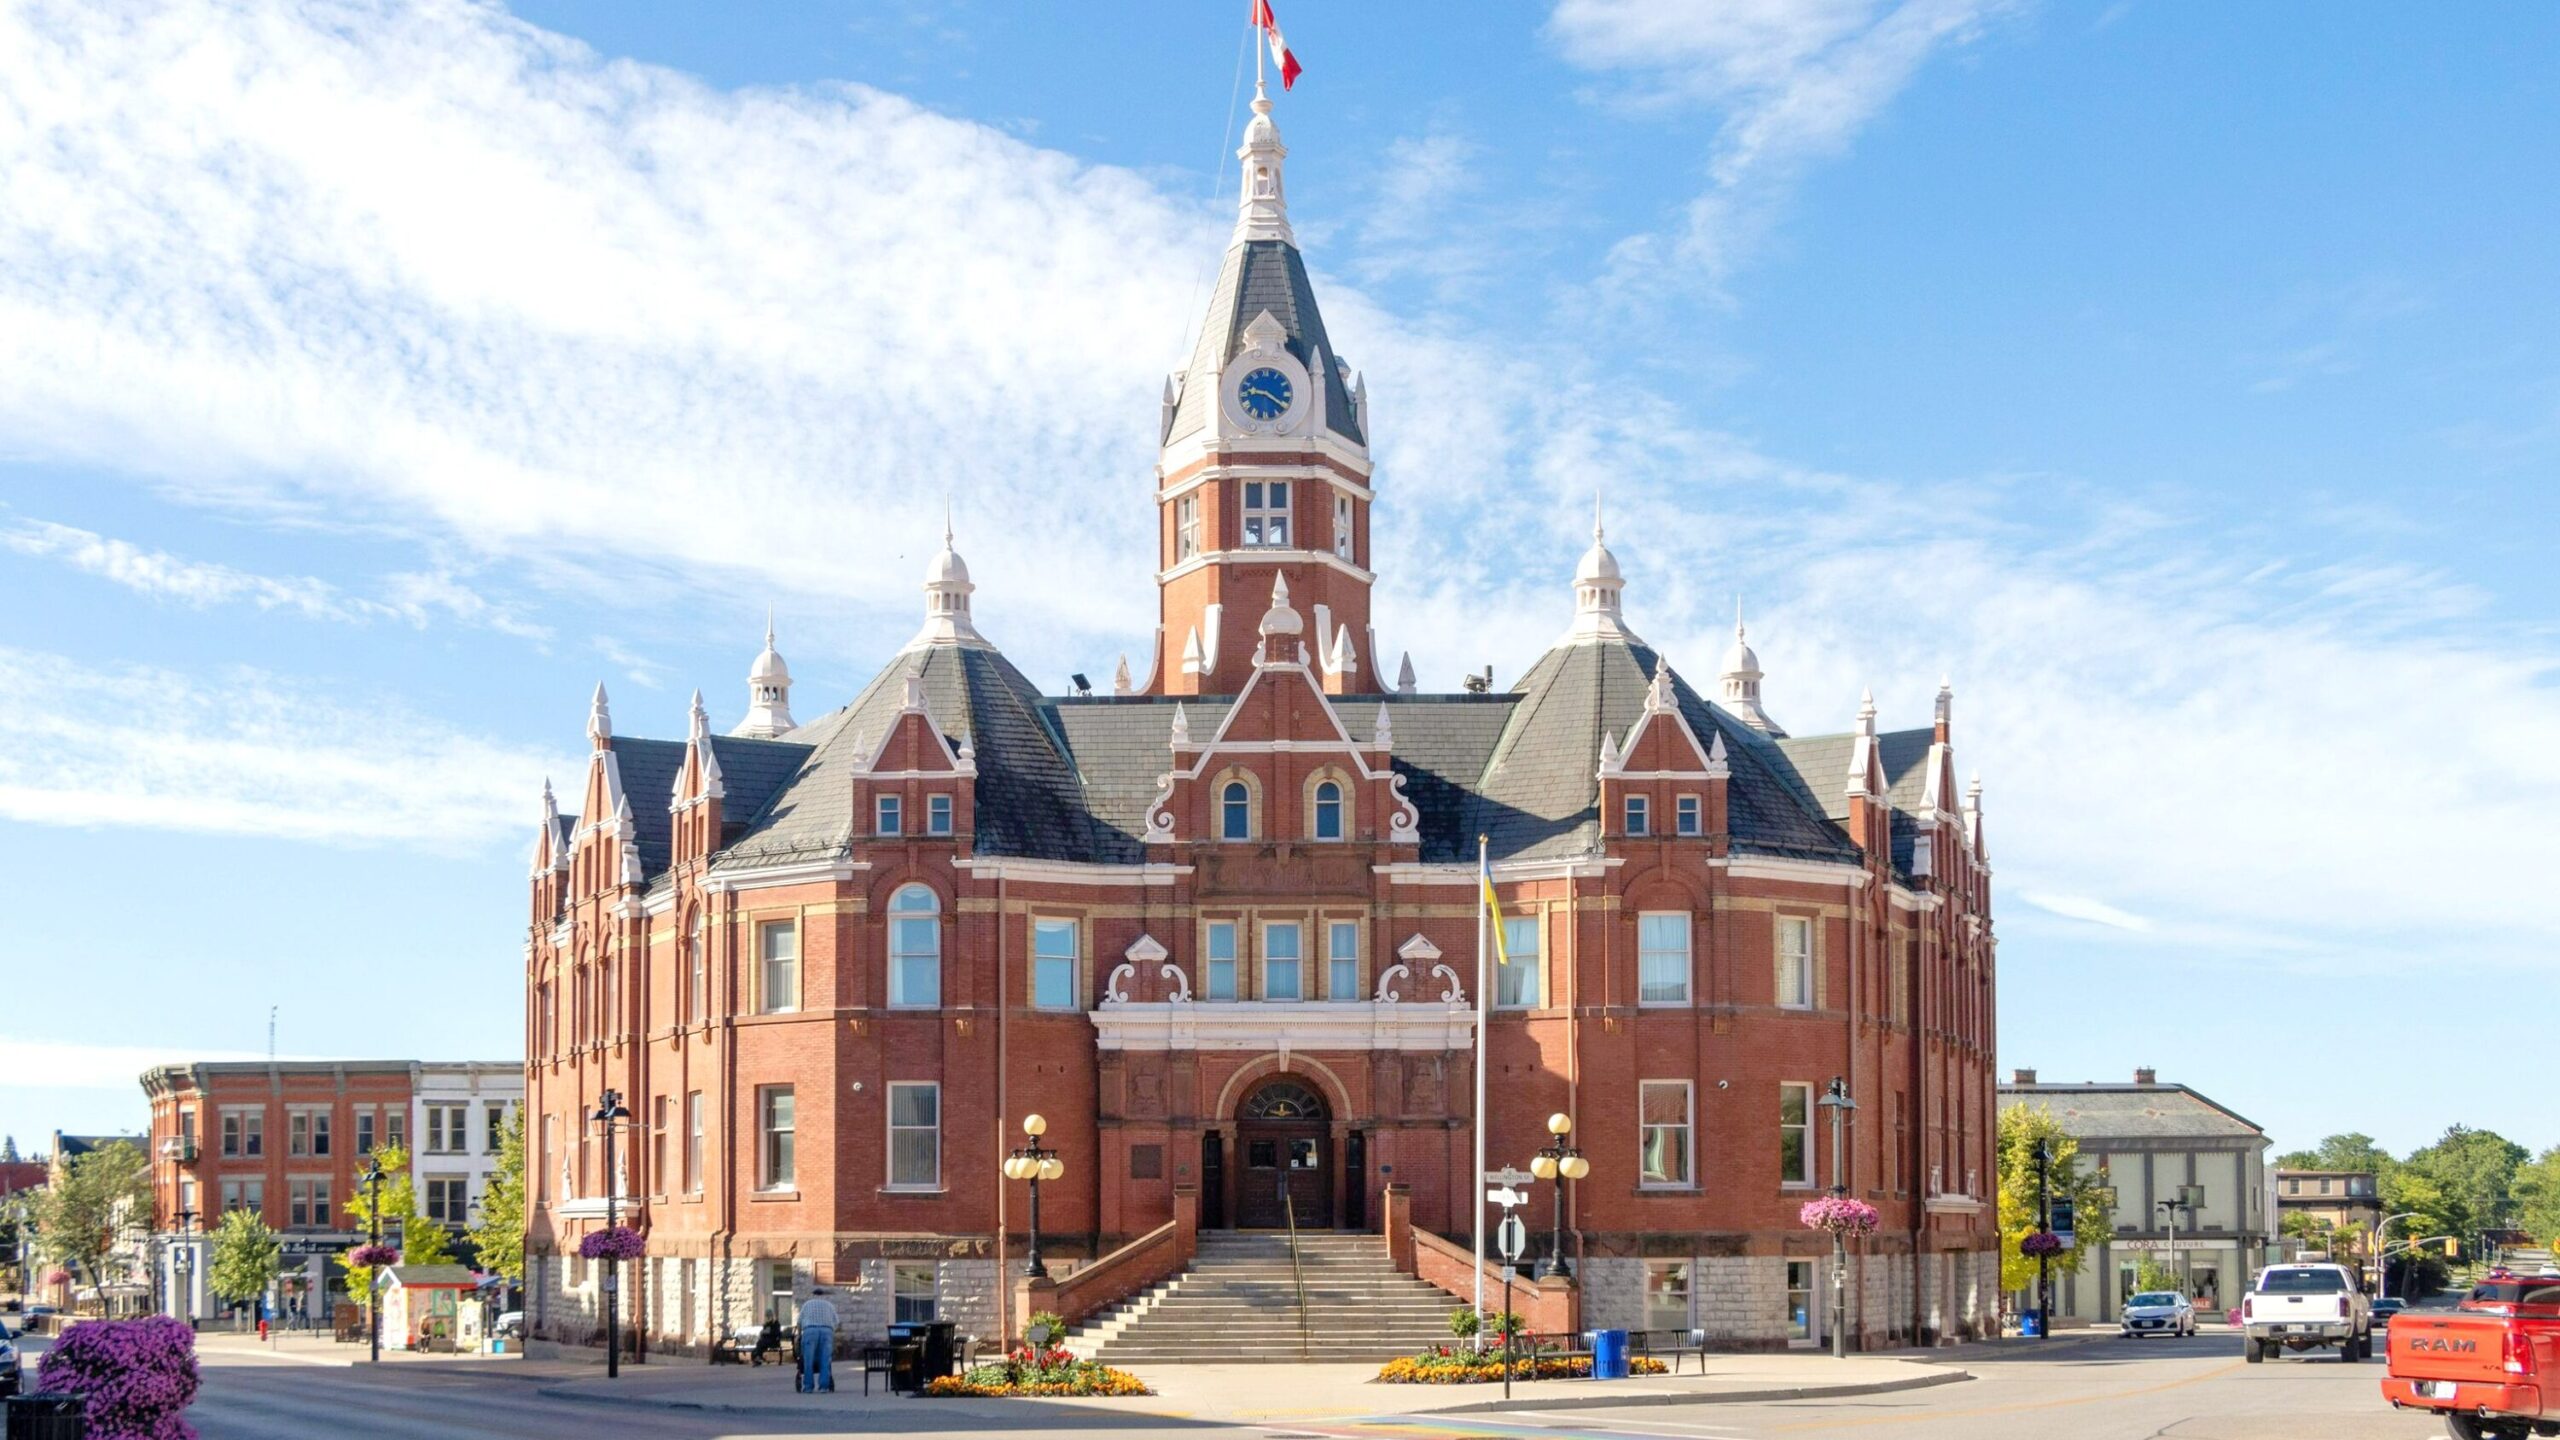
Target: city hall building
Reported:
[(1219, 927)]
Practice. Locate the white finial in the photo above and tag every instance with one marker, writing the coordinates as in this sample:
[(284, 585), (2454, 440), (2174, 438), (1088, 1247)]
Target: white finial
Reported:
[(1739, 680), (1383, 734), (1609, 755), (1405, 682), (1597, 587), (1867, 712), (1193, 662), (1657, 696), (1716, 755), (1946, 700), (1120, 676), (1973, 792), (599, 719), (947, 589), (768, 692), (701, 718), (1340, 658), (1181, 735), (1262, 211), (1280, 619)]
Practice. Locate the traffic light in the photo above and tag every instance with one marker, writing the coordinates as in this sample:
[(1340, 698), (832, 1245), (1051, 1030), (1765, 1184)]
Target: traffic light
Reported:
[(2452, 1246)]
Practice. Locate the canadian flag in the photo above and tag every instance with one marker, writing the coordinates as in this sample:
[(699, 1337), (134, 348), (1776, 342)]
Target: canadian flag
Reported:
[(1280, 56)]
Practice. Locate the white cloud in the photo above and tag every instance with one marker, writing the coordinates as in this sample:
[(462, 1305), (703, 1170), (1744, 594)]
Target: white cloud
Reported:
[(71, 1066), (2081, 907), (1794, 81), (246, 753)]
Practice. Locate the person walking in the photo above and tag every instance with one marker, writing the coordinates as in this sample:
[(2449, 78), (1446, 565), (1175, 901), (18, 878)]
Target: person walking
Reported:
[(817, 1342)]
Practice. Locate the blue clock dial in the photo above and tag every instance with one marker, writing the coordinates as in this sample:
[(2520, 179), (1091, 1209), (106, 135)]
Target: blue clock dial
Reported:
[(1263, 394)]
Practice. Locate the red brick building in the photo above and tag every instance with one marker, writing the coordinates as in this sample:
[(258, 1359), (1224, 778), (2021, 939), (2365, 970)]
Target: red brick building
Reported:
[(1219, 927)]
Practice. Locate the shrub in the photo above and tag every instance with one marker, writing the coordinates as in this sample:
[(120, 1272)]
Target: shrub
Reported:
[(1048, 1372), (1442, 1365), (1464, 1322), (619, 1243), (135, 1378)]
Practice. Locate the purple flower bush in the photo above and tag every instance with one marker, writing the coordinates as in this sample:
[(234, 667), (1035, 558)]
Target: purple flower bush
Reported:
[(619, 1243), (371, 1255), (1838, 1214), (2042, 1242), (135, 1378)]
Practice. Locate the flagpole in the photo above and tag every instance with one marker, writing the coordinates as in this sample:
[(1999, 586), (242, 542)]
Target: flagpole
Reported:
[(1258, 45), (1475, 1184)]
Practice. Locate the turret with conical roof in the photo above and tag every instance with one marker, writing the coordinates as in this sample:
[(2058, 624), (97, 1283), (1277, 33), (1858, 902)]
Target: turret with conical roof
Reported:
[(768, 693)]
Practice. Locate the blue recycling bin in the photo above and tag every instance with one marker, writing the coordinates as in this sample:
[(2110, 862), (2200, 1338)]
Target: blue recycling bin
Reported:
[(1609, 1355), (2031, 1324)]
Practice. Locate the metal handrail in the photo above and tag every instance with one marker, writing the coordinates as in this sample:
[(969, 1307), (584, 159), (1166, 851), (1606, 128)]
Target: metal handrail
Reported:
[(1289, 1208)]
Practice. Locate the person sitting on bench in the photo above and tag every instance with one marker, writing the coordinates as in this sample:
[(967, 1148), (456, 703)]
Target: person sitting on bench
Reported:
[(768, 1340)]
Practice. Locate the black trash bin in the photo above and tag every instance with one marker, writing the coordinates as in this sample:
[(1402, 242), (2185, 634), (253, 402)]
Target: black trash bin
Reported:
[(907, 1359), (46, 1417), (941, 1349)]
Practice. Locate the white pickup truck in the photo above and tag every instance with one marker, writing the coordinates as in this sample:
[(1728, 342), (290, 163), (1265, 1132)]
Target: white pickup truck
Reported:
[(2306, 1307)]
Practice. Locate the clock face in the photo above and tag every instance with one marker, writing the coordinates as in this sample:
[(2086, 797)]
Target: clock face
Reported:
[(1263, 394)]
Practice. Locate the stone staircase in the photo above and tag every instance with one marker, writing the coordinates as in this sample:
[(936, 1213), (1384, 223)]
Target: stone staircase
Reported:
[(1239, 1303)]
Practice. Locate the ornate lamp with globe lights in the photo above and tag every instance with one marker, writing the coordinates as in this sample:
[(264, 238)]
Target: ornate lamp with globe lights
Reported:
[(1558, 1162), (1032, 1163)]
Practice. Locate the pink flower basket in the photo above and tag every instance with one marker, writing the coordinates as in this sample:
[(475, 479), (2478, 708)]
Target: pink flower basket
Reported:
[(1839, 1214), (371, 1255), (2042, 1242), (619, 1243)]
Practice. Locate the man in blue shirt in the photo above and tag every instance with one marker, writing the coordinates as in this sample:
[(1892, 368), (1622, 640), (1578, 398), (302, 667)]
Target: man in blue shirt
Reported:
[(817, 1342)]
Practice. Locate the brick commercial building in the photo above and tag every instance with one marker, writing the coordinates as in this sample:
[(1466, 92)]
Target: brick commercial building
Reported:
[(290, 1140), (1218, 926)]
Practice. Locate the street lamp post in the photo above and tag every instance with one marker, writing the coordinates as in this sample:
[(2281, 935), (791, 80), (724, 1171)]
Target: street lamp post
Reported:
[(2190, 1199), (2044, 1226), (372, 1179), (1034, 1162), (2382, 1266), (1558, 1162), (185, 1259), (609, 1117), (1836, 1100)]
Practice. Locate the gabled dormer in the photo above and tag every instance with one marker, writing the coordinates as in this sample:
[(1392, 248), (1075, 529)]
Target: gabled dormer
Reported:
[(1870, 818), (913, 783), (700, 794), (1661, 782)]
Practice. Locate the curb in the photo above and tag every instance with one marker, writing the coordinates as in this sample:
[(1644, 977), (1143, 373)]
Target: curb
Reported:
[(1719, 1397), (953, 1405)]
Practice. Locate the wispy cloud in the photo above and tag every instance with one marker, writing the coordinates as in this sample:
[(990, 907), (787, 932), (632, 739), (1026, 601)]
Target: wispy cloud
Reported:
[(1793, 81), (2081, 907), (247, 753)]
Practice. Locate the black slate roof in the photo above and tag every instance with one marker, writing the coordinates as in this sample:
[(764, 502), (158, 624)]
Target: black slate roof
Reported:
[(1260, 275)]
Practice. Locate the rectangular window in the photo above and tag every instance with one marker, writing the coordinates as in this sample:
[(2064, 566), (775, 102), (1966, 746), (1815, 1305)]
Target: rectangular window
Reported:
[(914, 1296), (777, 1165), (495, 1133), (244, 1133), (448, 1199), (1283, 961), (915, 1135), (885, 812), (1795, 1134), (320, 1132), (1666, 1295), (395, 1128), (1638, 815), (1795, 962), (298, 1134), (448, 1129), (778, 943), (1663, 1111), (1053, 964), (249, 1195), (1517, 983), (1800, 1300), (1342, 527), (543, 1173), (662, 1127), (1662, 958), (1266, 513), (1186, 528), (937, 814), (1219, 983), (1689, 815), (698, 963), (1342, 960), (693, 1143), (364, 1132)]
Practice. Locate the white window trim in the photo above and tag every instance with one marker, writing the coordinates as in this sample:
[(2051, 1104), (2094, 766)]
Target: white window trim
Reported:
[(888, 815), (1635, 816), (765, 1183), (1689, 1127), (1264, 956), (1809, 990), (1687, 808), (764, 968), (1812, 1163), (1538, 982), (1359, 949), (891, 1129), (1688, 957), (941, 814), (1075, 961), (1235, 976), (1285, 512), (897, 919)]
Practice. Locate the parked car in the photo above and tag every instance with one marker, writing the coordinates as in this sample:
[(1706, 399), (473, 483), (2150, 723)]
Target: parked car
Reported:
[(12, 1375), (2384, 1307), (2159, 1312), (2481, 1364), (2306, 1307), (510, 1326)]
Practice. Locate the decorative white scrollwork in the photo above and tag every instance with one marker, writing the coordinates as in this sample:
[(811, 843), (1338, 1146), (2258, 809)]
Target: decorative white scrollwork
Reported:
[(1160, 815), (1115, 990), (1405, 825), (1387, 979), (1181, 984), (1456, 994)]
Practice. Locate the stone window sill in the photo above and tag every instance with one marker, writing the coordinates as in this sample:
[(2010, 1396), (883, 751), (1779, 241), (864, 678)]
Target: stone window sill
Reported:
[(758, 1197), (1666, 1190)]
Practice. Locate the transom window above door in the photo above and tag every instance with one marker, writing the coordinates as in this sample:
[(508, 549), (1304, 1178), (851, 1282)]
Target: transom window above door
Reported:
[(1283, 1100)]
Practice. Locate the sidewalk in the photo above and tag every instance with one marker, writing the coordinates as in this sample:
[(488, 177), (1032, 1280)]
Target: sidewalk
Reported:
[(1270, 1392), (311, 1347)]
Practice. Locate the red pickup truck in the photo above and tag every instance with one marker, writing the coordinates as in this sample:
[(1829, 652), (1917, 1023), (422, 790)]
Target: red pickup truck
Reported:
[(2490, 1366)]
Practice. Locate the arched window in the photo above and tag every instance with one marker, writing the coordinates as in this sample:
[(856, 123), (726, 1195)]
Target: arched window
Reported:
[(915, 947), (1328, 811), (1235, 811)]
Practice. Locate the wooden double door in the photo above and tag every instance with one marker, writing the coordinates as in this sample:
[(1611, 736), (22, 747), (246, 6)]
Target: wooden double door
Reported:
[(1284, 1159)]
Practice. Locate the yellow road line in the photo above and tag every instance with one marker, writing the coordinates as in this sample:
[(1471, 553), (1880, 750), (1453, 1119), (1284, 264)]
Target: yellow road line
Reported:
[(2021, 1407)]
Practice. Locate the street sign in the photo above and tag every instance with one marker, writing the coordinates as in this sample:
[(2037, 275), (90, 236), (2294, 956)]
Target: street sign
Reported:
[(2062, 1213), (1511, 1175), (1505, 1197), (1514, 1238)]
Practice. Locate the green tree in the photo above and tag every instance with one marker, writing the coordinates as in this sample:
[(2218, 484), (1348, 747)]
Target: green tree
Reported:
[(2475, 1173), (245, 1257), (399, 1206), (99, 1194), (2351, 1151), (8, 1149), (499, 1232), (2537, 1188), (2022, 1129)]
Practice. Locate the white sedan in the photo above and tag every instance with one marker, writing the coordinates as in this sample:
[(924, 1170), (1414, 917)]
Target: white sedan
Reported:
[(2159, 1312)]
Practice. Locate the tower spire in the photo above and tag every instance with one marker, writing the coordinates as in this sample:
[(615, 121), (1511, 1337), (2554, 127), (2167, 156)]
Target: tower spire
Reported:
[(947, 588), (1262, 207), (1740, 679), (1597, 587), (768, 692)]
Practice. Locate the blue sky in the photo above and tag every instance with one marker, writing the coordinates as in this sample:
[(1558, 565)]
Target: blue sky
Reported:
[(2180, 381)]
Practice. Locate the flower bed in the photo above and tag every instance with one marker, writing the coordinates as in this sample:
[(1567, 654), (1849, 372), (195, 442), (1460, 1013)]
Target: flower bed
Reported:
[(1442, 1365), (135, 1378), (1042, 1372)]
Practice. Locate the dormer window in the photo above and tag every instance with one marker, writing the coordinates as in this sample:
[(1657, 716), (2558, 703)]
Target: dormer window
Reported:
[(1266, 513), (887, 815), (1235, 812), (1638, 815), (937, 814), (1690, 816), (1328, 811)]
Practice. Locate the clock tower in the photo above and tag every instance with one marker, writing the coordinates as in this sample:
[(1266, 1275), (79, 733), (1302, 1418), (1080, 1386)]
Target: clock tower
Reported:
[(1263, 471)]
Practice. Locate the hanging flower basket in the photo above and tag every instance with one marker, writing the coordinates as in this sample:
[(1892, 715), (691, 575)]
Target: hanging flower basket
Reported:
[(369, 1256), (2042, 1242), (57, 1277), (1839, 1214), (619, 1243)]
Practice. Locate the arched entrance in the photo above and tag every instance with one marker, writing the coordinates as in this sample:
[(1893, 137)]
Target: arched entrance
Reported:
[(1284, 1148)]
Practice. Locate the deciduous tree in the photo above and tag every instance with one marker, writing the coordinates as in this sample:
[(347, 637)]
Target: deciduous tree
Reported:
[(2022, 1128), (98, 1194), (245, 1256), (499, 1232)]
